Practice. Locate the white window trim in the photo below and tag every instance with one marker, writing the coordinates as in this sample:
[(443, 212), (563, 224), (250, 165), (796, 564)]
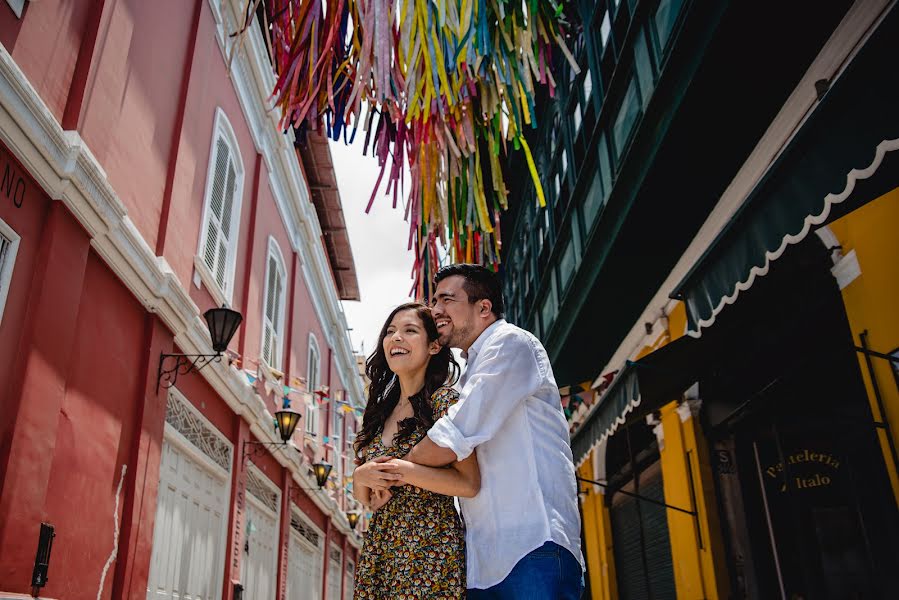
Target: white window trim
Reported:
[(312, 425), (6, 271), (300, 515), (17, 6), (176, 437), (278, 351), (221, 130)]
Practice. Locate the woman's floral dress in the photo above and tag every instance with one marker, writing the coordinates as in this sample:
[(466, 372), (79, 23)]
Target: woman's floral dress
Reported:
[(415, 545)]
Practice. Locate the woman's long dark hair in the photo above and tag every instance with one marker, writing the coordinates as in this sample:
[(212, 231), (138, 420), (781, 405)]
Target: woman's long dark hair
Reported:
[(384, 390)]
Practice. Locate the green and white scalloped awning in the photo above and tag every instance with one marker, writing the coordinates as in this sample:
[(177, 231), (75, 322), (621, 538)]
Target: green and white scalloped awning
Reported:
[(844, 155), (640, 388)]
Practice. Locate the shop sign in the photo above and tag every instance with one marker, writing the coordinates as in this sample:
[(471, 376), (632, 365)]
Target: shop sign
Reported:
[(806, 469), (13, 184)]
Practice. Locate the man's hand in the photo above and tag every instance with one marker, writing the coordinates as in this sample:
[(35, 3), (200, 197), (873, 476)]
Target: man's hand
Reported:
[(376, 475), (400, 467)]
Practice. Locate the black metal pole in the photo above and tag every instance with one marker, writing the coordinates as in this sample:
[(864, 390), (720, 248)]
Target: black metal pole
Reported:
[(638, 497), (693, 503), (868, 353)]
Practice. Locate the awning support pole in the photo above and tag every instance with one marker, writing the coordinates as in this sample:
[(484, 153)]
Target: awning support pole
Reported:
[(868, 353), (692, 513)]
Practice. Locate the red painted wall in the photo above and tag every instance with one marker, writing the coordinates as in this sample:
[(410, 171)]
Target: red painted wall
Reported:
[(304, 322), (266, 463), (45, 43), (306, 506), (28, 222), (91, 406), (210, 88), (94, 434), (205, 399), (131, 101)]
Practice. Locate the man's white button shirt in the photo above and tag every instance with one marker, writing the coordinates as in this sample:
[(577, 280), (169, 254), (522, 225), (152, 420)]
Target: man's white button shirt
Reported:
[(509, 409)]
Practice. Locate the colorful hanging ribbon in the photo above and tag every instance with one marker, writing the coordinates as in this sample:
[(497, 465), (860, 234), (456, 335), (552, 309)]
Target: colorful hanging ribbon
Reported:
[(440, 86)]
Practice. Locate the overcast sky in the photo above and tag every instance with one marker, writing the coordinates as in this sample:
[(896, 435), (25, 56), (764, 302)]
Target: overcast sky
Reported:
[(378, 239)]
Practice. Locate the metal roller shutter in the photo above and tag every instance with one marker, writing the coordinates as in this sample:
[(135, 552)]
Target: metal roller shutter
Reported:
[(640, 541)]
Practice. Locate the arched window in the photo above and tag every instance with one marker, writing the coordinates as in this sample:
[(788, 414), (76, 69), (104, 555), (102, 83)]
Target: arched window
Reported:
[(313, 367), (217, 251), (273, 306)]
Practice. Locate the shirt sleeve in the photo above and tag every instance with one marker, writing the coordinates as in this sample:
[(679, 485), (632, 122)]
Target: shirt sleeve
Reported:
[(507, 373)]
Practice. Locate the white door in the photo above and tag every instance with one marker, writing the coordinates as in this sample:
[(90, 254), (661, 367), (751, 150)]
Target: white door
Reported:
[(335, 574), (189, 533), (304, 561), (259, 567), (349, 580)]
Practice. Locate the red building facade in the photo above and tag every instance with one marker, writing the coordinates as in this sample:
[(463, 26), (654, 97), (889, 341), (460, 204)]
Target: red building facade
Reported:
[(144, 182)]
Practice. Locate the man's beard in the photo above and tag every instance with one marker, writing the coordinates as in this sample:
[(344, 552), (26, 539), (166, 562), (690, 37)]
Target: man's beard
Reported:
[(457, 338)]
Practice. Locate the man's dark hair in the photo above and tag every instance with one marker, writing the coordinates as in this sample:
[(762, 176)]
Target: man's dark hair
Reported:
[(480, 284)]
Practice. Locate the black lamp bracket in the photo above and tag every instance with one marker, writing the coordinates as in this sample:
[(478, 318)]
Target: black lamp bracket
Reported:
[(305, 489), (183, 364), (258, 448)]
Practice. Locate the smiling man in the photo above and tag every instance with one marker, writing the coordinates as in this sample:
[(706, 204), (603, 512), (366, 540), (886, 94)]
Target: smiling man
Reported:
[(523, 528)]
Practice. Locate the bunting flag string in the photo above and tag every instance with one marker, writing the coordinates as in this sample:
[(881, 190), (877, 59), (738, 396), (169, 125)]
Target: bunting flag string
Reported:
[(440, 87)]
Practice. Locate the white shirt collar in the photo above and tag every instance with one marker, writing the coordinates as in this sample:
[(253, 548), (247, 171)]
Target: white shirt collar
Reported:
[(482, 339)]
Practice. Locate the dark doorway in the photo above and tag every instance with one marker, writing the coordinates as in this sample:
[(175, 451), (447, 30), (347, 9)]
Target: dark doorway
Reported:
[(643, 563), (805, 498)]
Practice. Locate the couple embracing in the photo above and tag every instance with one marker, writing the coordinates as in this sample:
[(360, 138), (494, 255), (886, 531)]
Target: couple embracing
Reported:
[(500, 445)]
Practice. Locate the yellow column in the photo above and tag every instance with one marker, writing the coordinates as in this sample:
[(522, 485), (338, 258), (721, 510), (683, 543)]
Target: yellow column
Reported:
[(870, 287), (697, 550), (598, 539)]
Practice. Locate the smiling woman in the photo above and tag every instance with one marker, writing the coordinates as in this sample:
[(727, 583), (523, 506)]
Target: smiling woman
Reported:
[(426, 366), (411, 375)]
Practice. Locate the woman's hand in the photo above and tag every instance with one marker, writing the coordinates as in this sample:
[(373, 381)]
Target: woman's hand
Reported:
[(378, 499), (403, 469), (376, 475)]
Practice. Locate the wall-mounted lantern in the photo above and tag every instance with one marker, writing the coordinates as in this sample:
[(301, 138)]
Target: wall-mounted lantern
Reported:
[(321, 470), (223, 323), (287, 420)]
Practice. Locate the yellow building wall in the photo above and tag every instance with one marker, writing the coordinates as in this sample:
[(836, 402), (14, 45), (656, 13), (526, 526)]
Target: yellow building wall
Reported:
[(697, 550), (597, 538), (872, 302), (872, 305)]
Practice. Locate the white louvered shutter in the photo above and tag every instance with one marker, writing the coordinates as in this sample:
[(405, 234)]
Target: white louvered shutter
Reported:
[(349, 580), (271, 335), (335, 580), (219, 214)]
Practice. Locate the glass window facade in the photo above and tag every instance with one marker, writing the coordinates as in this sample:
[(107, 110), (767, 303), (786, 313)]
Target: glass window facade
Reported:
[(627, 115), (586, 131), (665, 18)]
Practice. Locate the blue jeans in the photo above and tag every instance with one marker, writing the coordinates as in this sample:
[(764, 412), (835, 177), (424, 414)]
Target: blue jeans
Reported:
[(548, 573)]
